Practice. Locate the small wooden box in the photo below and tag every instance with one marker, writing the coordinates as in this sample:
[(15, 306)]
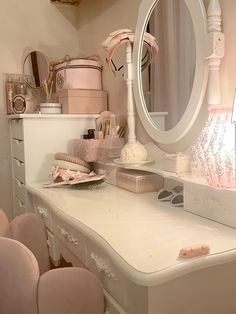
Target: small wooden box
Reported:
[(82, 100), (178, 163)]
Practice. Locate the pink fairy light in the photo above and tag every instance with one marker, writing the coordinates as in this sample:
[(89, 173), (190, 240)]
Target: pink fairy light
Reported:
[(215, 148)]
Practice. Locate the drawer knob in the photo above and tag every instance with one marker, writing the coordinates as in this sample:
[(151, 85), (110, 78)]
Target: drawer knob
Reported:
[(103, 266)]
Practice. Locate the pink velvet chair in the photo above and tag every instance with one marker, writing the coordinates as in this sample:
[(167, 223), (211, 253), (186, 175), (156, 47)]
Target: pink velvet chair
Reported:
[(29, 230), (69, 290), (19, 275)]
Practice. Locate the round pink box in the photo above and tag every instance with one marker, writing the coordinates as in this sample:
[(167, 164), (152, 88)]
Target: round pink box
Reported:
[(79, 74)]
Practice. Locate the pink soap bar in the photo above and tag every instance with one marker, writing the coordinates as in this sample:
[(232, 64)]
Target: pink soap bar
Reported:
[(194, 250)]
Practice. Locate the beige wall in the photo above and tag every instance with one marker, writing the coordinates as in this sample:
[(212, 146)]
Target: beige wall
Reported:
[(26, 25), (97, 21), (95, 24)]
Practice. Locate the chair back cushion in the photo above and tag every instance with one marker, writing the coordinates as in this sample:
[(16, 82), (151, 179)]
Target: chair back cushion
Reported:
[(19, 275), (70, 290), (29, 229)]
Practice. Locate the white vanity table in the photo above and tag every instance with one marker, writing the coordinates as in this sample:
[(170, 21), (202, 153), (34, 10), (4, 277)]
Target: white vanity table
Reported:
[(131, 242)]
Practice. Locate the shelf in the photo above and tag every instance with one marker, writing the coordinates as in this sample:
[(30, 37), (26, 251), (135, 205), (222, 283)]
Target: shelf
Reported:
[(155, 154), (53, 116), (155, 167)]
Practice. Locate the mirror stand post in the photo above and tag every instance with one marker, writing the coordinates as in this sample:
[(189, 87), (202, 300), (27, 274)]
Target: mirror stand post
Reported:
[(216, 54), (130, 98)]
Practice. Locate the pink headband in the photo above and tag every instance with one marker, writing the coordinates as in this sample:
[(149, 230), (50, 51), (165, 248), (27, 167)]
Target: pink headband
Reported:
[(118, 37)]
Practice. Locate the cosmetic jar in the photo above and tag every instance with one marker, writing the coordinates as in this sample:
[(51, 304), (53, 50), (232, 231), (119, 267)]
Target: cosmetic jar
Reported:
[(50, 107)]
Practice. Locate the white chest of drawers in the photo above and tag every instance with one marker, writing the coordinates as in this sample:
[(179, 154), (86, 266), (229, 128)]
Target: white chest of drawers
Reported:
[(35, 138)]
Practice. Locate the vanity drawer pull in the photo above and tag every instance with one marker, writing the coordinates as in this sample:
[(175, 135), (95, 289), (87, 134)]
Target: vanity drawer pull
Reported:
[(17, 129), (103, 265), (20, 184), (19, 207), (20, 202), (68, 236), (19, 170), (20, 190), (18, 149)]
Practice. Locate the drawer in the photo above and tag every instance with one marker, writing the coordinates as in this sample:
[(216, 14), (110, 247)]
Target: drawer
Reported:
[(74, 240), (42, 209), (111, 306), (17, 129), (19, 207), (113, 281), (19, 170), (18, 149), (20, 190)]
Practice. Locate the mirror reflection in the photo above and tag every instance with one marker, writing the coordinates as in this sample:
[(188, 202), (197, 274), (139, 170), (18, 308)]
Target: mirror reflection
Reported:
[(168, 82), (35, 69)]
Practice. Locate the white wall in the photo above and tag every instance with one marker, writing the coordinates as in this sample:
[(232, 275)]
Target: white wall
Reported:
[(26, 25)]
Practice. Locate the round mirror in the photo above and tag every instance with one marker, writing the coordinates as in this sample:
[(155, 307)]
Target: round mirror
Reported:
[(36, 69), (169, 94)]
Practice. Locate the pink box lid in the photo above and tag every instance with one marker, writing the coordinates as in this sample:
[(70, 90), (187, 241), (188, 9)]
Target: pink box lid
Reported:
[(78, 63)]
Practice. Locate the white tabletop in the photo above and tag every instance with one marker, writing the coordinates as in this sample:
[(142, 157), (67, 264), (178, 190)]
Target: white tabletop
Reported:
[(144, 234)]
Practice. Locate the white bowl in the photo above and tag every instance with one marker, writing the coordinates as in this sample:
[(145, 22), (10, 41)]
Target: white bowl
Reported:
[(50, 107)]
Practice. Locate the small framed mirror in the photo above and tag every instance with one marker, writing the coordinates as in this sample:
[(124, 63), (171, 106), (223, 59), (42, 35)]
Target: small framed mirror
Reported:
[(173, 86), (36, 69)]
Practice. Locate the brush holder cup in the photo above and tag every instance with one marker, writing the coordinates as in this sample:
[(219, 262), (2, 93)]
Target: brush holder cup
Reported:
[(92, 150), (110, 148)]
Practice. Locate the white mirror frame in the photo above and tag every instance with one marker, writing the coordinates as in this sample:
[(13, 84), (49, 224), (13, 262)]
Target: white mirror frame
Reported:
[(198, 14)]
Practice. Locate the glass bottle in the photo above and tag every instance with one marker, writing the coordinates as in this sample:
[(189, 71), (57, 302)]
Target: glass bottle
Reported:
[(20, 86), (10, 93)]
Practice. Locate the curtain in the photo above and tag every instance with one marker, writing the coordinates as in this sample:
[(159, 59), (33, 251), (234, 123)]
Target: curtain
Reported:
[(171, 76)]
